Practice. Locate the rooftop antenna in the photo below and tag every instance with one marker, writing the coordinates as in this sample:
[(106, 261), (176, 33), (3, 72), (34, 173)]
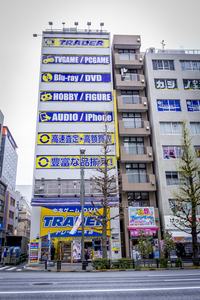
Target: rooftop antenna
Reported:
[(88, 24), (101, 25), (51, 24), (63, 24), (163, 45)]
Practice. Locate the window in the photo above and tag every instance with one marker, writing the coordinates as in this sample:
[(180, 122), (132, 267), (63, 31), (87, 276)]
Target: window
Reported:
[(190, 65), (11, 214), (168, 105), (131, 97), (130, 74), (197, 151), (126, 54), (165, 83), (163, 64), (132, 120), (136, 173), (134, 145), (193, 105), (12, 202), (170, 127), (172, 178), (195, 127), (1, 206), (171, 152), (138, 199), (191, 84)]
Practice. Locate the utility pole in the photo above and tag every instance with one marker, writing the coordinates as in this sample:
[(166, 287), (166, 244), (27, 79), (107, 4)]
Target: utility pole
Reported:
[(82, 198)]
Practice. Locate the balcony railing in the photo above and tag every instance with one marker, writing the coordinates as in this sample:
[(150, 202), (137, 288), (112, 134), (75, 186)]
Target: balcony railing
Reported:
[(133, 123), (135, 149), (137, 177), (131, 99), (130, 77)]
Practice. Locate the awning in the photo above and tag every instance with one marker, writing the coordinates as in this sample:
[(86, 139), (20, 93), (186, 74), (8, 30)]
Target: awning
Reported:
[(138, 231), (112, 201)]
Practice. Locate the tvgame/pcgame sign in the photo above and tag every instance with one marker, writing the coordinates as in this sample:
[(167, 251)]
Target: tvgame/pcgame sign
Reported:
[(58, 221)]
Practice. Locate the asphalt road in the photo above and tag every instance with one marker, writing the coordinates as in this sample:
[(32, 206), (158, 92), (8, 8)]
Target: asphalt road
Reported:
[(140, 285)]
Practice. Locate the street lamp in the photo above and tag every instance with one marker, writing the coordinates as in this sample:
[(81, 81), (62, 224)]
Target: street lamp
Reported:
[(82, 199)]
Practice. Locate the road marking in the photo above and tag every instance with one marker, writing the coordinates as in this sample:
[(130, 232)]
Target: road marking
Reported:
[(18, 270), (100, 291), (171, 275), (2, 268), (181, 279), (13, 268)]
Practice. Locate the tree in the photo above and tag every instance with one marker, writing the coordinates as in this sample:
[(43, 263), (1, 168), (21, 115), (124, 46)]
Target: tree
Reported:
[(145, 245), (187, 197), (168, 244), (106, 186)]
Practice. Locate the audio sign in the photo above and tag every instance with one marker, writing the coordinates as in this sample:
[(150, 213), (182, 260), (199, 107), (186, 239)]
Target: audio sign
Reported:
[(51, 116)]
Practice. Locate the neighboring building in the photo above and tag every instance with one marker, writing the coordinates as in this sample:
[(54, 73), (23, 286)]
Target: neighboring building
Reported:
[(138, 184), (75, 99), (173, 78), (3, 188), (1, 126), (8, 159), (23, 216)]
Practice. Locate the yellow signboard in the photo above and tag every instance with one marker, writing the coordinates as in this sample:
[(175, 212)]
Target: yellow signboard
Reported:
[(66, 138), (61, 222), (73, 161)]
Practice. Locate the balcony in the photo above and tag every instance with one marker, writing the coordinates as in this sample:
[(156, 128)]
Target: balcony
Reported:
[(136, 154), (130, 81), (138, 182), (129, 60), (127, 128), (132, 103)]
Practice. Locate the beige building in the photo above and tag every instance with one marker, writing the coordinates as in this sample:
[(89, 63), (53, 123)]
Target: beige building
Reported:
[(138, 184)]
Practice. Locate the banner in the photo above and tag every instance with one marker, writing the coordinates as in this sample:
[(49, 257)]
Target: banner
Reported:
[(75, 96), (71, 117), (193, 105), (191, 84), (72, 42), (141, 216), (168, 105), (73, 161), (75, 59), (58, 221), (165, 84), (59, 138), (75, 77)]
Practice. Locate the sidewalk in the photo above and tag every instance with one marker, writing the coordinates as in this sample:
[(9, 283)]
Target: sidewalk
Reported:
[(65, 267)]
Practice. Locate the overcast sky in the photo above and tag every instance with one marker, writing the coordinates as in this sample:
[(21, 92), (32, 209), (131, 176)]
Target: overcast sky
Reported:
[(175, 21)]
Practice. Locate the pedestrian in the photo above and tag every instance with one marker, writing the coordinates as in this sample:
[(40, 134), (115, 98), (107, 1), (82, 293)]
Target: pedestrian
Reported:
[(87, 255)]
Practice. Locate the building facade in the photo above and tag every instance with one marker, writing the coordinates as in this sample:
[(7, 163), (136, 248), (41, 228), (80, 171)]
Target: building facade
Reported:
[(137, 178), (173, 80), (75, 104)]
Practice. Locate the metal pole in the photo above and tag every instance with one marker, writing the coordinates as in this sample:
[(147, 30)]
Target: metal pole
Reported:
[(82, 198)]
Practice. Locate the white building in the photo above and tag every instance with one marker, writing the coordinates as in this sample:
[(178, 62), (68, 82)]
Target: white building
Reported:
[(173, 81), (75, 97)]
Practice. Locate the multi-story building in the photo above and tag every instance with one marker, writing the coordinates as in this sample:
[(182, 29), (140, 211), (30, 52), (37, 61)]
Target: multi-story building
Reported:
[(173, 80), (8, 159), (75, 102), (138, 185), (23, 216)]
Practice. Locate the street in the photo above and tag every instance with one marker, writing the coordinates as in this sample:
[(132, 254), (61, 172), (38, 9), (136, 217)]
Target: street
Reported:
[(173, 285)]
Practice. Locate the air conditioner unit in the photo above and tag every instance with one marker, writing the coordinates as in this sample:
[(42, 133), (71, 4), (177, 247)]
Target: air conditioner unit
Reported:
[(138, 40), (140, 59), (145, 103), (147, 128), (142, 80), (150, 154)]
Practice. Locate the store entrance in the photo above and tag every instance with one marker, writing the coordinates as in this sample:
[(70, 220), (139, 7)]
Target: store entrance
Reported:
[(65, 251)]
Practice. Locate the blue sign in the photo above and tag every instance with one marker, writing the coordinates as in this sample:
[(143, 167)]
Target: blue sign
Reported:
[(76, 96), (193, 105), (75, 77), (76, 59), (68, 117), (168, 105)]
